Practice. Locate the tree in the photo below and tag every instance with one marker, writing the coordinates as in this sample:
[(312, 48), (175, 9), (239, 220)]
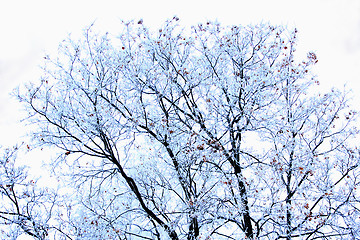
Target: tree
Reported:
[(25, 207), (205, 133)]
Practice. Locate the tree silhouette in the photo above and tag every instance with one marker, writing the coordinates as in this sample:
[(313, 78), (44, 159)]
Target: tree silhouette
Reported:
[(205, 133)]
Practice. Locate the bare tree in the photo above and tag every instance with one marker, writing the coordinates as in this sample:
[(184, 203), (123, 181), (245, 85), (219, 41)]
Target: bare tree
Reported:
[(205, 133)]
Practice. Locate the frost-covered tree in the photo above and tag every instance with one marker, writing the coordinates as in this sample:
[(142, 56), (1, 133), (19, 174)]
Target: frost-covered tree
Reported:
[(25, 207), (205, 133)]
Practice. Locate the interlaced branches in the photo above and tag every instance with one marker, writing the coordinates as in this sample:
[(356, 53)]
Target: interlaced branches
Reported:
[(207, 132)]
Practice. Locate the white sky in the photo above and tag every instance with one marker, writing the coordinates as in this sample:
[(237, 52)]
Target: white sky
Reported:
[(29, 28)]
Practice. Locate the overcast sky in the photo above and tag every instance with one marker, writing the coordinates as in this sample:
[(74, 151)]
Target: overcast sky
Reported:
[(28, 29)]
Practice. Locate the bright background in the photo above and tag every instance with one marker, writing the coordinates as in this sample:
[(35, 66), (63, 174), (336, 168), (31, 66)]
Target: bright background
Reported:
[(31, 28)]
